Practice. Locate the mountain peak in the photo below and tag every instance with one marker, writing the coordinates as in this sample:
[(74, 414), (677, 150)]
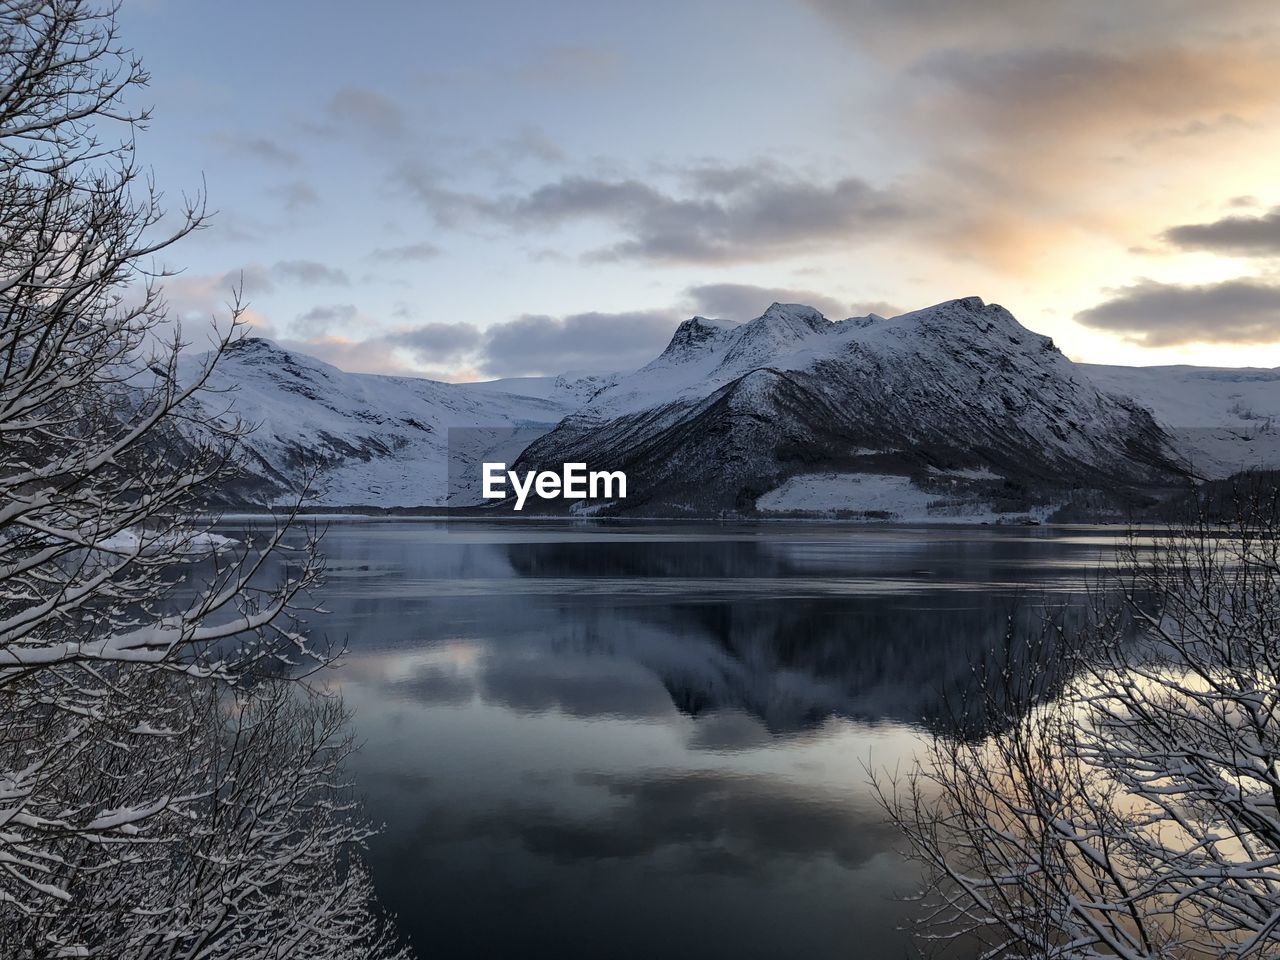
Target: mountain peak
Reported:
[(250, 345), (954, 316), (791, 314), (693, 334)]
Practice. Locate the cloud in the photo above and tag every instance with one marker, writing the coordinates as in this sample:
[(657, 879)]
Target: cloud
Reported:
[(743, 301), (731, 214), (536, 344), (906, 29), (589, 687), (232, 226), (1042, 96), (362, 111), (322, 319), (569, 66), (373, 355), (1034, 129), (719, 178), (258, 148), (437, 342), (1194, 128), (1036, 149), (530, 143), (408, 253), (310, 272), (201, 296), (540, 345), (862, 308), (525, 346), (1249, 236), (1152, 314), (296, 195), (698, 821), (448, 207), (436, 687), (763, 218)]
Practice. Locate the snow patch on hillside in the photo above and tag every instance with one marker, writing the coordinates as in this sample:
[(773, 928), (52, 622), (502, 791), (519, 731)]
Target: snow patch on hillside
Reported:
[(1222, 419), (878, 497), (978, 473)]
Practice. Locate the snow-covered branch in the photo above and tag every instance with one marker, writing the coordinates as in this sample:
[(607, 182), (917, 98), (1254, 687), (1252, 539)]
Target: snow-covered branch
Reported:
[(1138, 814), (163, 794)]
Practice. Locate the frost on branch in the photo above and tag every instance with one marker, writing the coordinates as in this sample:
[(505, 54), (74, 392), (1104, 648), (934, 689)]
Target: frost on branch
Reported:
[(1137, 815), (159, 795)]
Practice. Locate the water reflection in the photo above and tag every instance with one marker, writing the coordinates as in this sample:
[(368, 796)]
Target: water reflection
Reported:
[(623, 741), (709, 821)]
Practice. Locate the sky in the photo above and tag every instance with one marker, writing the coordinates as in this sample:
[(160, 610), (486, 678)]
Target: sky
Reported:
[(500, 188)]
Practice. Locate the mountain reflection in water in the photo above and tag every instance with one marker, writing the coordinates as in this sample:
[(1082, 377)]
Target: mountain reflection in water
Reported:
[(640, 740)]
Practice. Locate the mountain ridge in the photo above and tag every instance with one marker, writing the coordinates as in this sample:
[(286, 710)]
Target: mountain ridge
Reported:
[(957, 408), (960, 385)]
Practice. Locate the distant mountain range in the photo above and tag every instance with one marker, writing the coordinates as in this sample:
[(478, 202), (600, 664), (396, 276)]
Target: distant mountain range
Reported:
[(375, 440), (954, 412)]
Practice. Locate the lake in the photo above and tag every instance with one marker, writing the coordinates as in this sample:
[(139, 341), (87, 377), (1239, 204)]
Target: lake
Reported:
[(640, 740)]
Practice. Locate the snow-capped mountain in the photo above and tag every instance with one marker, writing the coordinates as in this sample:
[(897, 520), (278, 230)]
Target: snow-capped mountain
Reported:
[(955, 407), (954, 412), (375, 440)]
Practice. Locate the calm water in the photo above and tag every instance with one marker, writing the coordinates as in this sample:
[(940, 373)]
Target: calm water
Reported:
[(652, 741)]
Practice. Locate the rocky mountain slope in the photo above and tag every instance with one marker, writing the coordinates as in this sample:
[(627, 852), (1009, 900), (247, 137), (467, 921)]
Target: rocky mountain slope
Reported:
[(958, 401), (954, 412)]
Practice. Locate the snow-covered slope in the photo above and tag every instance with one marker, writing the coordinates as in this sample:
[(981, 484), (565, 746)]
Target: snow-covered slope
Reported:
[(375, 440), (573, 388), (951, 412), (731, 412), (1222, 419)]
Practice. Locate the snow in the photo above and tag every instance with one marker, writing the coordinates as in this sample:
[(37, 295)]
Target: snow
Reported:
[(378, 440), (572, 387), (1223, 419), (980, 473), (961, 365), (192, 544), (960, 385), (880, 496), (932, 349), (706, 354), (1186, 396)]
